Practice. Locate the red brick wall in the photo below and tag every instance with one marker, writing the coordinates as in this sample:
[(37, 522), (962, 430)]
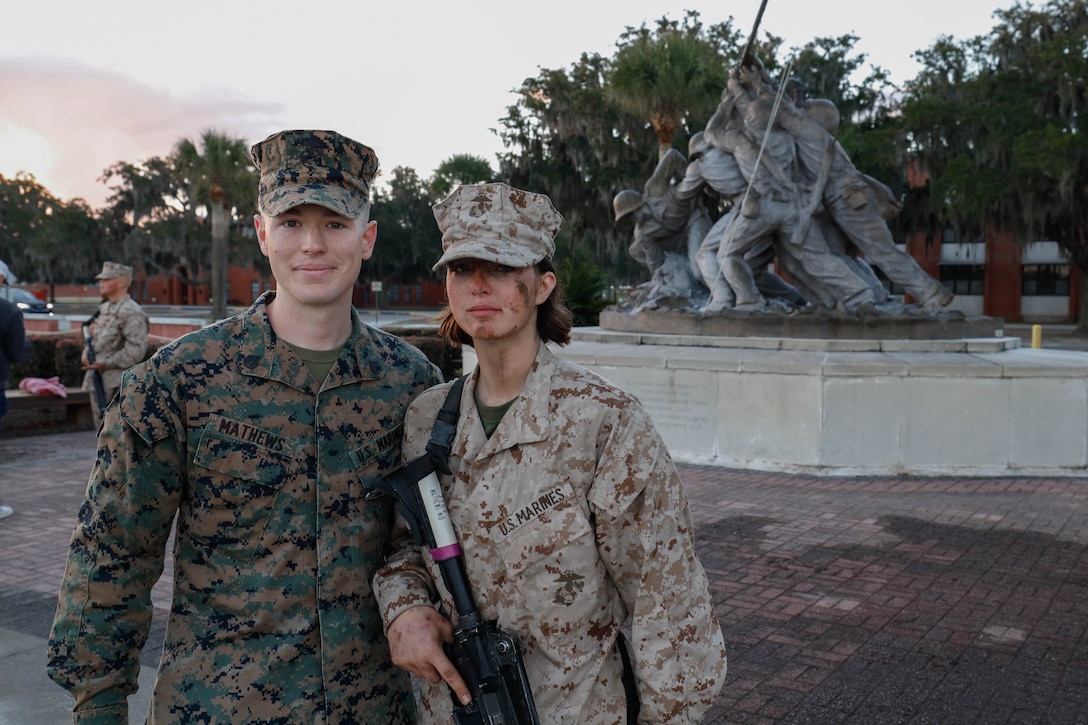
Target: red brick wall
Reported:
[(1003, 277)]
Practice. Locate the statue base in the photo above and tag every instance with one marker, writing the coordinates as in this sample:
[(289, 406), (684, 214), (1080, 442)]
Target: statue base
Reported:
[(803, 325), (955, 407)]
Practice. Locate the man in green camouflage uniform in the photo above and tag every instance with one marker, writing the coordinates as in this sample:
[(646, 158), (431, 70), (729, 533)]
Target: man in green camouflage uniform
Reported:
[(119, 336), (261, 434)]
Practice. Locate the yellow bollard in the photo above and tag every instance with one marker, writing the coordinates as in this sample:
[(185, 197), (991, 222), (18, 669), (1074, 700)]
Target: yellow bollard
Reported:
[(1036, 337)]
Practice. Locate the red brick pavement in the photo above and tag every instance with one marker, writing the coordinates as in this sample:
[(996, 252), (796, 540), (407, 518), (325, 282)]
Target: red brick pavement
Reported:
[(897, 600), (843, 600)]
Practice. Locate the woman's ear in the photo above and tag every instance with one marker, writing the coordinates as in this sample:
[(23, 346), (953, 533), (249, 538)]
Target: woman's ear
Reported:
[(547, 284)]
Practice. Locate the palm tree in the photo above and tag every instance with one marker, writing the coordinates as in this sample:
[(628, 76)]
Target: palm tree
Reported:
[(220, 177), (668, 76)]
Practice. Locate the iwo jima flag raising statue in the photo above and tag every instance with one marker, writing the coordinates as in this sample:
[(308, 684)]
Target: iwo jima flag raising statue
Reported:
[(791, 194)]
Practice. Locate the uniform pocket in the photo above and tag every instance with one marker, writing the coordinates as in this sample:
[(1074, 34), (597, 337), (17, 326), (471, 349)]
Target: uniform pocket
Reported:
[(551, 556), (378, 456), (372, 512), (240, 470)]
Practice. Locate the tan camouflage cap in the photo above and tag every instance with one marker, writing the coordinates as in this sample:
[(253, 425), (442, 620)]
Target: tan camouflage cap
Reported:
[(110, 270), (497, 223), (313, 167)]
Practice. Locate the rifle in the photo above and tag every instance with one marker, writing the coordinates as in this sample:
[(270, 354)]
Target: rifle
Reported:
[(489, 659), (99, 388)]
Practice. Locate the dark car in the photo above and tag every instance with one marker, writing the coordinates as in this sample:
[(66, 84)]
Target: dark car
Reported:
[(26, 301)]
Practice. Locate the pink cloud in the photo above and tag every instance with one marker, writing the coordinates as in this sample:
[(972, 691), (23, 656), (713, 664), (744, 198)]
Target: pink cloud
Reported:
[(93, 118)]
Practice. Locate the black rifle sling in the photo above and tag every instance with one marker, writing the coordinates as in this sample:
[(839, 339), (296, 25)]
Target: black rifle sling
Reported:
[(445, 428), (630, 684)]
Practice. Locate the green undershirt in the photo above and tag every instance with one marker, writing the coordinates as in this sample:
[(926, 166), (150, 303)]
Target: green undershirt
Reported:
[(490, 415), (318, 362)]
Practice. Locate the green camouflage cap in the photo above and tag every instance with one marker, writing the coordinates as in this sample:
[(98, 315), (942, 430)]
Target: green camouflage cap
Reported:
[(314, 167), (497, 223)]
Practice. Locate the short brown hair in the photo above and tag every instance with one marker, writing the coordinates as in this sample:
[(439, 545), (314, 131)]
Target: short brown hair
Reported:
[(553, 317)]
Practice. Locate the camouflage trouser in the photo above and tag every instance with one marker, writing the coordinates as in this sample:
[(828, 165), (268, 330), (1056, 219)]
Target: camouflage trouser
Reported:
[(830, 276), (864, 226)]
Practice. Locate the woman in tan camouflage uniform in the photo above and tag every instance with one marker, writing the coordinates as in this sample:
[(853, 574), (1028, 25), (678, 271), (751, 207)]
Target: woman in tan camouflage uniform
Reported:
[(566, 503)]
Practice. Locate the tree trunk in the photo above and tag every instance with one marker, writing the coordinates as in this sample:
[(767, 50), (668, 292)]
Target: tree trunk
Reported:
[(220, 221)]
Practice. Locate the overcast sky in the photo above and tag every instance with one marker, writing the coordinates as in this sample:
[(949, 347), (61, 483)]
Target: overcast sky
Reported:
[(84, 85)]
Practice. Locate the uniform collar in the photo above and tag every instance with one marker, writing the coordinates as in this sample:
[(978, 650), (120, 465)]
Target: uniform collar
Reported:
[(528, 419), (264, 355), (117, 302)]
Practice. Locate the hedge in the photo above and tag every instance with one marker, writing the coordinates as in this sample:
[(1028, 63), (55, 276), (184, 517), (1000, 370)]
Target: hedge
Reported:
[(59, 355), (55, 355)]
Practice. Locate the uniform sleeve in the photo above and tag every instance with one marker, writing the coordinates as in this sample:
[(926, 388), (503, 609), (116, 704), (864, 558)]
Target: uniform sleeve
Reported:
[(791, 118), (116, 555), (133, 332), (645, 538), (693, 182), (403, 581), (718, 124), (669, 166)]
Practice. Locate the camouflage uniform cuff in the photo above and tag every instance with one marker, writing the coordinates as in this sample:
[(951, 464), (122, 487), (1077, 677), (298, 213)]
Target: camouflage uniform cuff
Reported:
[(108, 715), (402, 605)]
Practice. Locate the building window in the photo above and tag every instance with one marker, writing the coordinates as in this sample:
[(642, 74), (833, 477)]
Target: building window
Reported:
[(1045, 280), (892, 287), (963, 279)]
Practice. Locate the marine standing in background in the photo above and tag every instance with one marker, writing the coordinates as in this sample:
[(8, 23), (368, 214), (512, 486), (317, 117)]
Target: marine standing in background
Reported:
[(118, 335), (261, 434), (571, 515), (662, 219)]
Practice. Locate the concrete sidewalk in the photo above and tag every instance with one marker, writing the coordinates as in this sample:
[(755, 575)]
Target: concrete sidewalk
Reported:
[(845, 600)]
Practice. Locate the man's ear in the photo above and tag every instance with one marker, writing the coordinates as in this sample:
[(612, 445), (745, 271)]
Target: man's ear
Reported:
[(370, 236), (262, 233)]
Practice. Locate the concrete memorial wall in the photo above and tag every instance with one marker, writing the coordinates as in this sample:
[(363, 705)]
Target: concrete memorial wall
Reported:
[(969, 407)]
